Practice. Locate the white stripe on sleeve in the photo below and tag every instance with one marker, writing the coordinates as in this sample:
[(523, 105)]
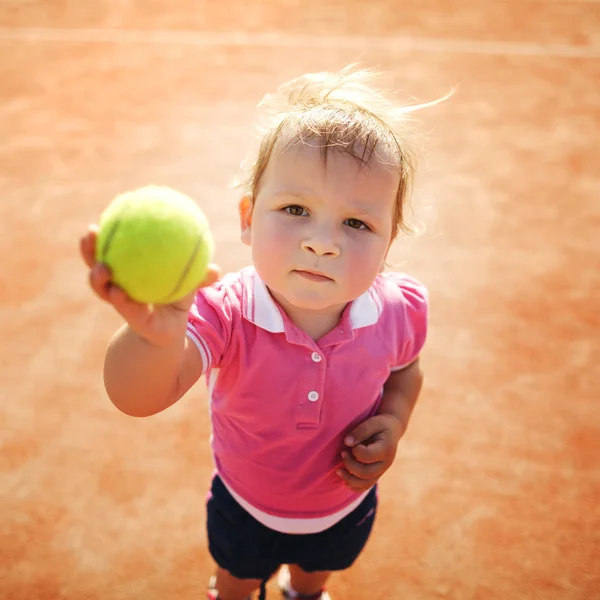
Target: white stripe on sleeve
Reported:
[(202, 347)]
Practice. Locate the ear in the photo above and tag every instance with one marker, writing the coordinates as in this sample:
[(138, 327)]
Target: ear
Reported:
[(245, 209)]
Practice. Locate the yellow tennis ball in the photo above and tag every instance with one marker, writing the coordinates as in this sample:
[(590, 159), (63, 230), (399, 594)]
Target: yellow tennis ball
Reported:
[(156, 242)]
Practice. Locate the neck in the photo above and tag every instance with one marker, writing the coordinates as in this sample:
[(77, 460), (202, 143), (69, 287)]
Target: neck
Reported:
[(315, 323)]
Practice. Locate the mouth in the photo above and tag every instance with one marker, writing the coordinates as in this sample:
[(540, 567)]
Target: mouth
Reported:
[(312, 275)]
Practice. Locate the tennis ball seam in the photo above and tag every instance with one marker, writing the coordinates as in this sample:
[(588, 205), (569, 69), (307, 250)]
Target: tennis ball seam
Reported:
[(187, 268), (108, 240)]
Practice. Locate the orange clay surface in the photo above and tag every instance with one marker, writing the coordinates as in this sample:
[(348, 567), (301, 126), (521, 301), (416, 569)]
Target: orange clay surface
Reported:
[(495, 492)]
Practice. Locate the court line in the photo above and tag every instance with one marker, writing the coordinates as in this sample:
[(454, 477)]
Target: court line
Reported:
[(291, 40), (566, 2)]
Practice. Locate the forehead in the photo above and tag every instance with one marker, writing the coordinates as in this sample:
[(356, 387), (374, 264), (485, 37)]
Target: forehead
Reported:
[(307, 166)]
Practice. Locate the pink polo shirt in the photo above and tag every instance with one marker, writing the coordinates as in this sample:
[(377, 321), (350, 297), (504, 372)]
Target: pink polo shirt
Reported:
[(282, 403)]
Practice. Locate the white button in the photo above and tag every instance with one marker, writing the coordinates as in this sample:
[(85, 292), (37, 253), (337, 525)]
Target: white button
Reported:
[(313, 396), (316, 357)]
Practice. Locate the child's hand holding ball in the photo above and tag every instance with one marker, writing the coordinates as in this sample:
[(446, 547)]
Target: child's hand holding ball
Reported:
[(148, 256)]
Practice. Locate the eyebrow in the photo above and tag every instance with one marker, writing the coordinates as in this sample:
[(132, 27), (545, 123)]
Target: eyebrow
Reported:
[(364, 209), (290, 194)]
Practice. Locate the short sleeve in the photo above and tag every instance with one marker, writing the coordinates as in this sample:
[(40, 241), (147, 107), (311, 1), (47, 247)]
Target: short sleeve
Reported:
[(409, 305), (210, 322)]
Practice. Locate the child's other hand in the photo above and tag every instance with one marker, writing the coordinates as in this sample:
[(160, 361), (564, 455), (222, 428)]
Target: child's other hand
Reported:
[(372, 450), (160, 325)]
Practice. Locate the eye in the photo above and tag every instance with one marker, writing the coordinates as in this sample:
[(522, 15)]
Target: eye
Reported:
[(356, 224), (295, 210)]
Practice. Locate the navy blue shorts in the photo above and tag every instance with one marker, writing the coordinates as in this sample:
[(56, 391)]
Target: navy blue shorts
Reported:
[(248, 549)]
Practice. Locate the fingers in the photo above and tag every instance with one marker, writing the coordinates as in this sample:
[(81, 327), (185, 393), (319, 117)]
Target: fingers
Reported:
[(371, 453), (133, 312), (359, 469), (366, 431), (355, 482), (87, 246), (99, 275), (100, 280), (364, 465), (213, 274)]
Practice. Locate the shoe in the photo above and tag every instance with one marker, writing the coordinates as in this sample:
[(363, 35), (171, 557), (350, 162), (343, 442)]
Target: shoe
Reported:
[(289, 594), (211, 592)]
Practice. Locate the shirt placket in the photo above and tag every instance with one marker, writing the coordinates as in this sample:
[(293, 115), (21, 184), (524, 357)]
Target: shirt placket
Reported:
[(312, 390)]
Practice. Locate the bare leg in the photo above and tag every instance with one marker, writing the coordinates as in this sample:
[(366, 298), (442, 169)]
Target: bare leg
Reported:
[(305, 583), (232, 588)]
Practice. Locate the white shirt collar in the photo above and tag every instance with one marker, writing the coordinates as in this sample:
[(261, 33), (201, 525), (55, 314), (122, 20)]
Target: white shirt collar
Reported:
[(261, 309)]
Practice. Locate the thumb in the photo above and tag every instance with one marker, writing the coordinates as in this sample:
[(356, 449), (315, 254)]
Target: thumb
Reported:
[(213, 274), (361, 433)]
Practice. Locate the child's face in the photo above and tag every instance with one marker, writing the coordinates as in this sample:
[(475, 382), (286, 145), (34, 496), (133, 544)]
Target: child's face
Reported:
[(319, 233)]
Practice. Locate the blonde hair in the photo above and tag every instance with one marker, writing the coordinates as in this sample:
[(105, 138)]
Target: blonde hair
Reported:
[(345, 112)]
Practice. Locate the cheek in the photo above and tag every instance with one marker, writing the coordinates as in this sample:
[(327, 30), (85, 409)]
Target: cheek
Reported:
[(272, 240), (361, 268), (367, 251), (364, 260), (272, 231)]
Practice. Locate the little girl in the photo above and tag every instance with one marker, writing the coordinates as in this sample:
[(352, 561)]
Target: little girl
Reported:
[(311, 356)]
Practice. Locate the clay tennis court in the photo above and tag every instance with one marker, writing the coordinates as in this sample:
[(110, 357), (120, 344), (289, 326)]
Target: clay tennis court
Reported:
[(495, 493)]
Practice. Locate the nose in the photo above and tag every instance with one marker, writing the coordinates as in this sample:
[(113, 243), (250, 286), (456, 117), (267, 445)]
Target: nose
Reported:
[(321, 245)]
